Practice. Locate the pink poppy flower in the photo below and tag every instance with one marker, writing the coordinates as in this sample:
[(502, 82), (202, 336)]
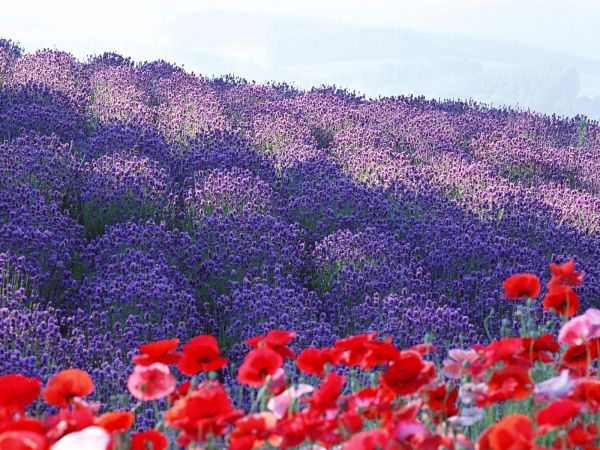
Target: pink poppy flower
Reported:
[(594, 315), (555, 388), (279, 405), (278, 383), (405, 429), (581, 328), (457, 361), (151, 382), (467, 417), (471, 393)]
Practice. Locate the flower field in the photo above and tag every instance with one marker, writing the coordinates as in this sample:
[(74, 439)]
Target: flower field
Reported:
[(214, 263)]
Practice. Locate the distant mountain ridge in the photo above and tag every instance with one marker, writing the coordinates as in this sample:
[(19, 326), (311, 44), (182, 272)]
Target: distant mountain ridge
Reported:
[(394, 61)]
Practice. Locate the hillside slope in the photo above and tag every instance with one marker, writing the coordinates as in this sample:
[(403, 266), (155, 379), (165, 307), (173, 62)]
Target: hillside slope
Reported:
[(140, 202)]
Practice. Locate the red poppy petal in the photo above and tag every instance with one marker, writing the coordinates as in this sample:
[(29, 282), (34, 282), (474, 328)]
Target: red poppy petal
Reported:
[(159, 348), (67, 384), (116, 422)]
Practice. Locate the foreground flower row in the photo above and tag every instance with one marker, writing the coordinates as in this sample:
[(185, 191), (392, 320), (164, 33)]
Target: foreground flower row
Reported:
[(527, 392)]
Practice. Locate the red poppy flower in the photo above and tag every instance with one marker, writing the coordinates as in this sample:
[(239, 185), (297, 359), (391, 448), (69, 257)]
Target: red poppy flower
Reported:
[(330, 432), (67, 385), (258, 365), (116, 421), (512, 432), (151, 439), (379, 353), (539, 349), (69, 421), (278, 383), (17, 391), (483, 442), (243, 443), (23, 440), (563, 299), (276, 340), (293, 430), (558, 413), (408, 373), (201, 354), (326, 396), (26, 424), (442, 401), (511, 382), (578, 436), (312, 361), (504, 350), (208, 400), (354, 348), (581, 356), (180, 391), (587, 393), (424, 349), (206, 410), (431, 442), (594, 346), (158, 352), (252, 430), (565, 275), (372, 401), (521, 286)]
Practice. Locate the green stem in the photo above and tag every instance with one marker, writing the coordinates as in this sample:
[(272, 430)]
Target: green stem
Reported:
[(261, 397)]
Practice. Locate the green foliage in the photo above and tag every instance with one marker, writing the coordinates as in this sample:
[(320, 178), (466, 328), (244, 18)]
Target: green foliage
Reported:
[(524, 172), (322, 137), (95, 217), (329, 271), (581, 132)]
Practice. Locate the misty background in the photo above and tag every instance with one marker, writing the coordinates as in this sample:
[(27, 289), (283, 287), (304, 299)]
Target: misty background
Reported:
[(539, 55)]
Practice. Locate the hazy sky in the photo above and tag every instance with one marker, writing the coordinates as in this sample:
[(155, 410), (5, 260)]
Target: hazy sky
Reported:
[(541, 54)]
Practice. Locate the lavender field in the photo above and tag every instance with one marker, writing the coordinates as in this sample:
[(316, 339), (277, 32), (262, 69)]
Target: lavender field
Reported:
[(140, 202)]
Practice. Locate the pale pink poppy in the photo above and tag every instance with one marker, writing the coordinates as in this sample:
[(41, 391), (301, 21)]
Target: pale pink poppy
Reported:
[(90, 438), (467, 417), (581, 328), (457, 361), (151, 382), (405, 429), (280, 404), (469, 393), (594, 315), (555, 388)]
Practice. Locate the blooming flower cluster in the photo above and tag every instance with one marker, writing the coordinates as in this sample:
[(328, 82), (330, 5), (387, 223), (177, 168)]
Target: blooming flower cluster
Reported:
[(363, 392)]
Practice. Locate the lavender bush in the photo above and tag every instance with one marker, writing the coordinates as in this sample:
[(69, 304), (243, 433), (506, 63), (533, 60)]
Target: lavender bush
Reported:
[(139, 201)]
